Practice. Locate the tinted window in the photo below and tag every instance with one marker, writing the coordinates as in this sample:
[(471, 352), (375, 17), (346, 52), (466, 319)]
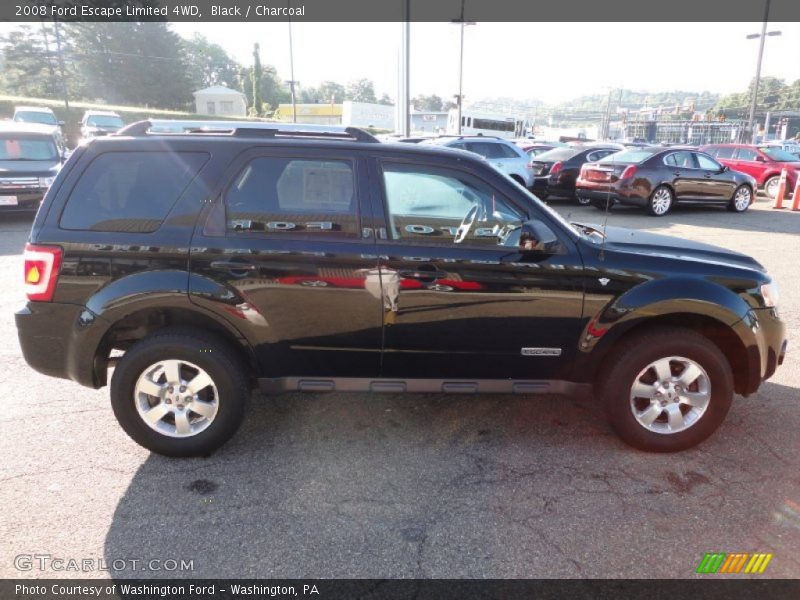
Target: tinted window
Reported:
[(104, 121), (705, 162), (35, 116), (724, 152), (21, 147), (633, 156), (779, 154), (558, 154), (507, 150), (130, 191), (680, 159), (598, 154), (291, 195), (746, 154), (426, 205), (487, 149)]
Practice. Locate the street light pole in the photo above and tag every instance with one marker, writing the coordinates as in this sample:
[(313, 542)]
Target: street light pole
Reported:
[(762, 38), (292, 81), (460, 98)]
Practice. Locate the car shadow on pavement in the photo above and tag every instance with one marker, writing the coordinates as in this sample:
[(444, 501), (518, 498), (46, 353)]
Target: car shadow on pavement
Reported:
[(14, 232), (394, 486)]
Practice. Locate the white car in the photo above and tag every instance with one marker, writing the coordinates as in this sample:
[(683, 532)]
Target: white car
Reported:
[(506, 156)]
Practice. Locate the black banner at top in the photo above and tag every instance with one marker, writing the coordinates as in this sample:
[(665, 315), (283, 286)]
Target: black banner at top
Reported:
[(401, 10)]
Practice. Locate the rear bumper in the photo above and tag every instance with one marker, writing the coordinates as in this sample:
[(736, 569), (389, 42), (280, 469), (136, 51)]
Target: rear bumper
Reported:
[(61, 340), (618, 195)]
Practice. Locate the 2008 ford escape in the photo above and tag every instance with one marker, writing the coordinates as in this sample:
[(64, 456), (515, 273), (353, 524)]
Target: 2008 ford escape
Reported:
[(200, 263)]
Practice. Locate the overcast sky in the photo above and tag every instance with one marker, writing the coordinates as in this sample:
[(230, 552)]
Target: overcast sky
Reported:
[(548, 61)]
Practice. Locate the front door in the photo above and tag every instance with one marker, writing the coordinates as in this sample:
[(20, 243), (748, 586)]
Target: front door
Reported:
[(719, 185), (469, 308), (687, 181), (284, 258)]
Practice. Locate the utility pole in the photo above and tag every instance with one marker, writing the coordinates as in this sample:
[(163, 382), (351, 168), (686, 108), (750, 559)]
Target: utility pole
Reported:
[(404, 97), (292, 81), (460, 98), (762, 37)]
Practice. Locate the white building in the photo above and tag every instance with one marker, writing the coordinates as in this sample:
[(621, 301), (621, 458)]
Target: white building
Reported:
[(220, 101), (365, 114)]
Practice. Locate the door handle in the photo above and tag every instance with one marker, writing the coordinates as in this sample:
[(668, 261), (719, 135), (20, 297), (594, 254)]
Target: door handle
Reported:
[(422, 274), (707, 175), (232, 265)]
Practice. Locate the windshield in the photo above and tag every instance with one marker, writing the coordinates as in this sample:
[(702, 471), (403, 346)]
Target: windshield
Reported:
[(17, 147), (632, 156), (35, 116), (779, 154), (558, 154), (104, 121)]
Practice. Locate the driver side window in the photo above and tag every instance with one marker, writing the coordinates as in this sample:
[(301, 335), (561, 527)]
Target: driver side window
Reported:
[(426, 205)]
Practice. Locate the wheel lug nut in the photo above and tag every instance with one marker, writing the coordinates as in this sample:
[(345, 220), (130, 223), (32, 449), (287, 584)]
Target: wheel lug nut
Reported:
[(168, 401), (183, 388)]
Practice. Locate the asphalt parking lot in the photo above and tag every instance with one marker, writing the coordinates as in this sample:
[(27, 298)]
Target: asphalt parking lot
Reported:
[(339, 485)]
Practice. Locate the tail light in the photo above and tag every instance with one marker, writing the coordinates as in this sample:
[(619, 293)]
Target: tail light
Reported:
[(556, 168), (41, 271), (629, 172)]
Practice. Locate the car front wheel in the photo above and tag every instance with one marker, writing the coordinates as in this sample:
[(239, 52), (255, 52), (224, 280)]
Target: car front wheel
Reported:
[(771, 186), (667, 390), (179, 394)]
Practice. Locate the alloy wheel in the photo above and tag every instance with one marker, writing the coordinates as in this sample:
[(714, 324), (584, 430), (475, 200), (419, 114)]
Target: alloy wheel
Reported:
[(661, 202), (670, 395), (176, 398), (742, 198)]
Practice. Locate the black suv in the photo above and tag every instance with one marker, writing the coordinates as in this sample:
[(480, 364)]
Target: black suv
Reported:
[(200, 263)]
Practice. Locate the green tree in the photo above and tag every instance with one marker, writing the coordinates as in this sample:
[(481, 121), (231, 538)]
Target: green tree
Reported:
[(361, 90), (428, 103), (386, 99), (29, 62), (209, 64), (131, 63), (255, 81)]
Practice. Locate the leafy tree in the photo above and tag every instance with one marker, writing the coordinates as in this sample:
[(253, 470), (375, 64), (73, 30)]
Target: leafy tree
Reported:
[(361, 90), (209, 64), (29, 63), (386, 99), (428, 103), (131, 63), (255, 81)]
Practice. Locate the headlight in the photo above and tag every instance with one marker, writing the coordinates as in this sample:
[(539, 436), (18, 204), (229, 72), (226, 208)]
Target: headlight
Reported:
[(771, 294), (46, 182)]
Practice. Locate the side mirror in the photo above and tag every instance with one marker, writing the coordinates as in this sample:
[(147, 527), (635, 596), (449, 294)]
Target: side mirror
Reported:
[(724, 168), (536, 238), (61, 123), (760, 158)]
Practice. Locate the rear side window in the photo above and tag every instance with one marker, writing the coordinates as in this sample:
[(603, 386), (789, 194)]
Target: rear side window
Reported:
[(130, 191), (746, 154), (486, 149), (724, 152), (291, 195)]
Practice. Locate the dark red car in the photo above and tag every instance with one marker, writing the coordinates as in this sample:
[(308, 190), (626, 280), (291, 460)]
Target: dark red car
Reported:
[(764, 163)]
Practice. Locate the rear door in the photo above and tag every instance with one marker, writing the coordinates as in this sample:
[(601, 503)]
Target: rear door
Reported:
[(283, 255), (687, 180), (746, 162)]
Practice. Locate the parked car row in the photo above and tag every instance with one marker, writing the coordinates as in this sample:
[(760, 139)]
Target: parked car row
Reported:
[(94, 123)]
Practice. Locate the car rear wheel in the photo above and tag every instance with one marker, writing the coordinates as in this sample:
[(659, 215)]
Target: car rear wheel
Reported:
[(179, 394), (771, 186), (582, 200), (661, 201), (667, 390), (741, 200)]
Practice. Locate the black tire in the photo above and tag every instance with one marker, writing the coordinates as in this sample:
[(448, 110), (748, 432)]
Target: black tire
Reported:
[(207, 352), (653, 203), (615, 384), (518, 179), (771, 182), (582, 200), (732, 203)]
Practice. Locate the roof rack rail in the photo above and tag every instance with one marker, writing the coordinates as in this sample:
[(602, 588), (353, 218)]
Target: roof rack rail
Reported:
[(245, 129)]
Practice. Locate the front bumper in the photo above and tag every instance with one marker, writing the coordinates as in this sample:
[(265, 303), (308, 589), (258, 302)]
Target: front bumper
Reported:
[(768, 348), (27, 199)]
